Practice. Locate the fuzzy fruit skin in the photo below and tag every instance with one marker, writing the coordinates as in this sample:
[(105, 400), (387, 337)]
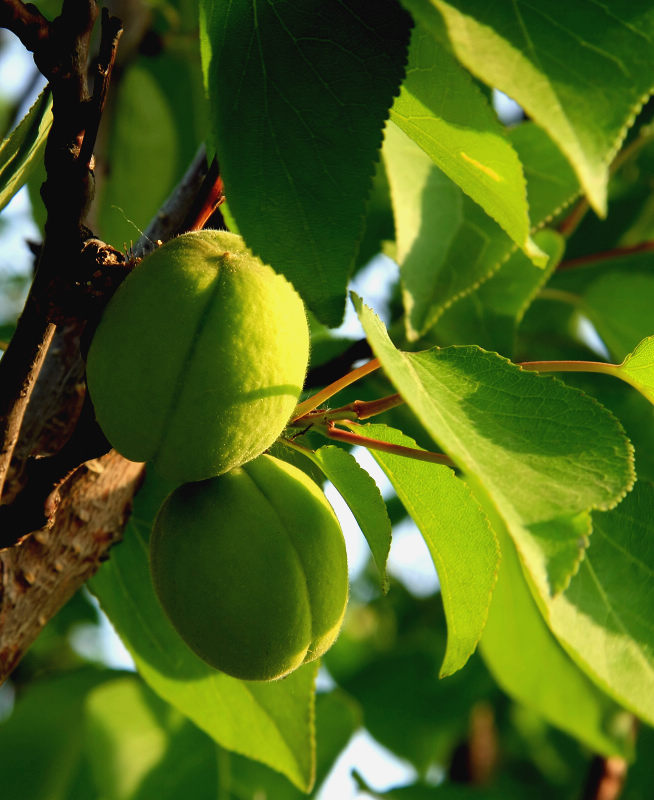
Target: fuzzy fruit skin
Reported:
[(251, 569), (199, 358)]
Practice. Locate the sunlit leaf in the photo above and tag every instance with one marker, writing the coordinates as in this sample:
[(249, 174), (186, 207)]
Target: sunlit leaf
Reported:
[(638, 368), (337, 718), (551, 182), (23, 149), (529, 664), (462, 545), (139, 747), (536, 54), (361, 494), (604, 618), (542, 450), (445, 113), (489, 316), (447, 246)]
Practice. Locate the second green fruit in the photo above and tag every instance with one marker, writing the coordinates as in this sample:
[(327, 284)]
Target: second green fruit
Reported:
[(251, 569)]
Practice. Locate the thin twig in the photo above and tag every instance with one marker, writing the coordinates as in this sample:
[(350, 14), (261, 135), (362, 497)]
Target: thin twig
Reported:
[(207, 201), (364, 409), (569, 366), (112, 29), (358, 409), (605, 255), (570, 223), (606, 778), (349, 437), (329, 391), (171, 217)]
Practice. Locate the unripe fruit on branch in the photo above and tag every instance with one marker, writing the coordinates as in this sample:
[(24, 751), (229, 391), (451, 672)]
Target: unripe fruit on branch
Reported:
[(199, 358), (250, 567)]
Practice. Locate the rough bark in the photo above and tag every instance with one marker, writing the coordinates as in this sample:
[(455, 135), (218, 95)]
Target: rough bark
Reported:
[(42, 574)]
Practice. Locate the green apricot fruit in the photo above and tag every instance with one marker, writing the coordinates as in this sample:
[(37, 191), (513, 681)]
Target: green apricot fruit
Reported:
[(199, 358), (251, 569)]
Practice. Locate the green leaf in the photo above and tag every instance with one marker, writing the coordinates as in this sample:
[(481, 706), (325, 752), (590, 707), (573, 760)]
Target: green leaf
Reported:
[(641, 773), (638, 368), (531, 666), (446, 244), (270, 722), (596, 265), (620, 307), (23, 149), (297, 133), (140, 748), (551, 183), (363, 497), (563, 542), (633, 410), (42, 742), (537, 53), (604, 618), (490, 315), (462, 545), (156, 127), (444, 112), (142, 158), (379, 224), (337, 718), (540, 449)]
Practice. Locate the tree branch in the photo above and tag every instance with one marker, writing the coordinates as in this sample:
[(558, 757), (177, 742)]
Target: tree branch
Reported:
[(606, 778), (39, 577), (35, 506), (26, 21), (112, 29), (172, 217), (62, 56)]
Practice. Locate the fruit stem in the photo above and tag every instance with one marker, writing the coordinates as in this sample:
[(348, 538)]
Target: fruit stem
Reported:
[(350, 437), (315, 400), (359, 409), (569, 366), (364, 409)]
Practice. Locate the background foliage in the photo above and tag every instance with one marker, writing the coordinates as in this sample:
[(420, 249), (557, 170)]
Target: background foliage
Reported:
[(354, 139)]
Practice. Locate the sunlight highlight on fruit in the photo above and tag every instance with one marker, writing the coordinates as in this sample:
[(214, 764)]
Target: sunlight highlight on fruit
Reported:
[(199, 358)]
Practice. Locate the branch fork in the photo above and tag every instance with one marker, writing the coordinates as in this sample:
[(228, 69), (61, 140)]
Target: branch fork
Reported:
[(308, 417)]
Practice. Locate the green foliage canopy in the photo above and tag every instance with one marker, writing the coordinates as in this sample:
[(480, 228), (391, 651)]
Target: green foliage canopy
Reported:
[(345, 131)]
